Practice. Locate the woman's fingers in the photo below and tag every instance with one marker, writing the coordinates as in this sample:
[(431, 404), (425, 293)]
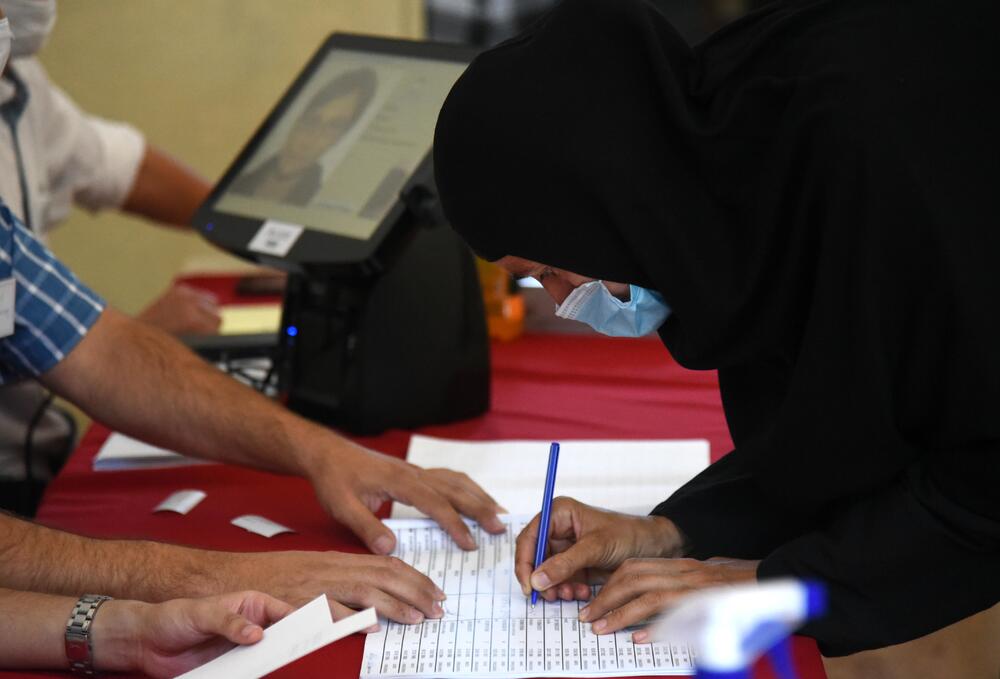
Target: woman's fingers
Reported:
[(635, 611), (524, 554)]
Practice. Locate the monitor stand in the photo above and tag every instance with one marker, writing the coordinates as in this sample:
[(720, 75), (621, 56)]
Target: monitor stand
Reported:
[(402, 349)]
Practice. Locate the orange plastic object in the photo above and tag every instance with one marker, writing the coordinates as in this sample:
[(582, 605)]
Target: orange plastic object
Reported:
[(504, 305)]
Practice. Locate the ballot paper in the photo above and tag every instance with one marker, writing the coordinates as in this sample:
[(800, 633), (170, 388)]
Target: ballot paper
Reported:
[(121, 452), (300, 633), (627, 476), (489, 628)]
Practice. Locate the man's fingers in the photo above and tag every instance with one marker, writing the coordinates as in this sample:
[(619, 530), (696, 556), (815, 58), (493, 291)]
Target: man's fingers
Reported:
[(263, 609), (405, 583), (355, 515), (339, 611), (434, 505), (214, 619), (393, 608), (486, 507), (483, 511)]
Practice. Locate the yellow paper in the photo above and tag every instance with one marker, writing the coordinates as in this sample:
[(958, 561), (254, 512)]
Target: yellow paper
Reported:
[(244, 319)]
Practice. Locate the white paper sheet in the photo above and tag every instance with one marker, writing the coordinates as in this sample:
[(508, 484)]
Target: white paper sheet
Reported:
[(121, 452), (490, 629), (300, 633), (627, 476)]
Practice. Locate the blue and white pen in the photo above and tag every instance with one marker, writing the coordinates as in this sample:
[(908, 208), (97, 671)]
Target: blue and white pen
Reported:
[(543, 526)]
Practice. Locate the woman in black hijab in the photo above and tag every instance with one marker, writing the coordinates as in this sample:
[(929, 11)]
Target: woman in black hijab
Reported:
[(813, 193)]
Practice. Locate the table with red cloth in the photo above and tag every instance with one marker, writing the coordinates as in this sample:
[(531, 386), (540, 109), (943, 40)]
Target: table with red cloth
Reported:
[(547, 387)]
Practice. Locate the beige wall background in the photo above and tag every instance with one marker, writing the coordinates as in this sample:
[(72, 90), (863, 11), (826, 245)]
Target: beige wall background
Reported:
[(197, 77)]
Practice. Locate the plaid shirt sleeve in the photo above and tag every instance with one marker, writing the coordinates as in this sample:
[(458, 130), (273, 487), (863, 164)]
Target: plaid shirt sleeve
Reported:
[(53, 309)]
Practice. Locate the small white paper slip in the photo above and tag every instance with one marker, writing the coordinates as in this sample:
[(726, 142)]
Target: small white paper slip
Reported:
[(182, 502), (306, 630), (260, 525), (8, 297), (275, 238)]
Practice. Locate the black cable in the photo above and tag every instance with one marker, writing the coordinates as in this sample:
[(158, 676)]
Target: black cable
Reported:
[(29, 440)]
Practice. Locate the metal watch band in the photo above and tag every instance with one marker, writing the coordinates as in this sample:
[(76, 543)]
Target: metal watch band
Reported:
[(79, 650)]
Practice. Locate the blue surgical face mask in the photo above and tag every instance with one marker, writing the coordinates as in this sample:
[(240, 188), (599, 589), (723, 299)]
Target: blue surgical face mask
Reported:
[(592, 303)]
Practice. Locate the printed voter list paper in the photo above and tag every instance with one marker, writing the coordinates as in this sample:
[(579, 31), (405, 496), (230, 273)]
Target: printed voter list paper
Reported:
[(300, 633), (625, 476), (489, 628), (122, 452)]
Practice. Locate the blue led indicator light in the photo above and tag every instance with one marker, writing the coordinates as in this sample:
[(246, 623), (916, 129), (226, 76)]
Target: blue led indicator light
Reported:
[(292, 331)]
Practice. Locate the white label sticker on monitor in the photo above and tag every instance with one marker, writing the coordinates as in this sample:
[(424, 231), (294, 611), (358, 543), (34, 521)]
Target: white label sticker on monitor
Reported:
[(275, 238)]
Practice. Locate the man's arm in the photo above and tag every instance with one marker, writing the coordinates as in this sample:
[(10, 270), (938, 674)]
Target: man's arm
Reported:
[(166, 190), (40, 559), (142, 382), (159, 640)]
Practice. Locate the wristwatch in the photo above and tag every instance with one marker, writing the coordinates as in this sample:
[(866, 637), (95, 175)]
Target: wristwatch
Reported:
[(79, 649)]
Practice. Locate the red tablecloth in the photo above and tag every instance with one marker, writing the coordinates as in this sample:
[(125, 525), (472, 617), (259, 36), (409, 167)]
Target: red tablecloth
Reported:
[(544, 387)]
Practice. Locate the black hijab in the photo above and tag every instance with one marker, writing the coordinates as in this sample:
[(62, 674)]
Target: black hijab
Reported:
[(813, 191)]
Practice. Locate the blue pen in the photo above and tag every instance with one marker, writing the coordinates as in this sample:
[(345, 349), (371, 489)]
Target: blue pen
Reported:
[(543, 527)]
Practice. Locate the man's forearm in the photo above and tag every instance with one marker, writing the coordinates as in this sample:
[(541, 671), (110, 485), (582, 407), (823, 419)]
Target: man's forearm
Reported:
[(165, 190), (144, 383), (40, 559)]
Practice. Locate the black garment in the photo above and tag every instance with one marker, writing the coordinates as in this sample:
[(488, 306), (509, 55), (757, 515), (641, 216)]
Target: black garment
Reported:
[(813, 191), (301, 192)]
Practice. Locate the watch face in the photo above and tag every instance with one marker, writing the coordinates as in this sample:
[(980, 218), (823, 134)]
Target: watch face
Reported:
[(77, 649)]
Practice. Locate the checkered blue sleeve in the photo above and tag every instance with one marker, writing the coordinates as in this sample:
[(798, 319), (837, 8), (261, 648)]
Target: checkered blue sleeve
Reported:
[(53, 309)]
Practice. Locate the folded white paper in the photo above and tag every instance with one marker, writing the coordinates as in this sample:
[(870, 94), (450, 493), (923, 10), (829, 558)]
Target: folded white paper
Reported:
[(123, 452), (300, 633), (260, 525), (182, 502), (626, 476)]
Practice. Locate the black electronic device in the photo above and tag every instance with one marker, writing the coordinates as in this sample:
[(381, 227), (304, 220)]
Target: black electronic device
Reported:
[(383, 323)]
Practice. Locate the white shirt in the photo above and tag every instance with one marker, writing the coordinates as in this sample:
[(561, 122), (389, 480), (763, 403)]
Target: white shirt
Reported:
[(70, 157)]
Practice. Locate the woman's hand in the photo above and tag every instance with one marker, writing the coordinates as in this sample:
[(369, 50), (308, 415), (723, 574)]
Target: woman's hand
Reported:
[(641, 588), (585, 543), (167, 639)]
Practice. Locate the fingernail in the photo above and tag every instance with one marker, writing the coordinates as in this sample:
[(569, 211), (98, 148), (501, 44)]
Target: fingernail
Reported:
[(438, 610), (383, 544), (540, 581), (416, 617), (372, 630), (584, 612), (248, 631), (439, 595), (599, 626), (640, 636), (470, 541)]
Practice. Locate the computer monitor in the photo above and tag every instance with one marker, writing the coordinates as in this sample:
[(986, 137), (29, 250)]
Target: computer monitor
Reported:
[(319, 183), (382, 324)]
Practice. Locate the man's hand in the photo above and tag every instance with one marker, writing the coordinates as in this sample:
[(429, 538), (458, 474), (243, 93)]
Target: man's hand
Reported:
[(585, 543), (183, 310), (641, 588), (350, 581), (164, 640), (354, 482)]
